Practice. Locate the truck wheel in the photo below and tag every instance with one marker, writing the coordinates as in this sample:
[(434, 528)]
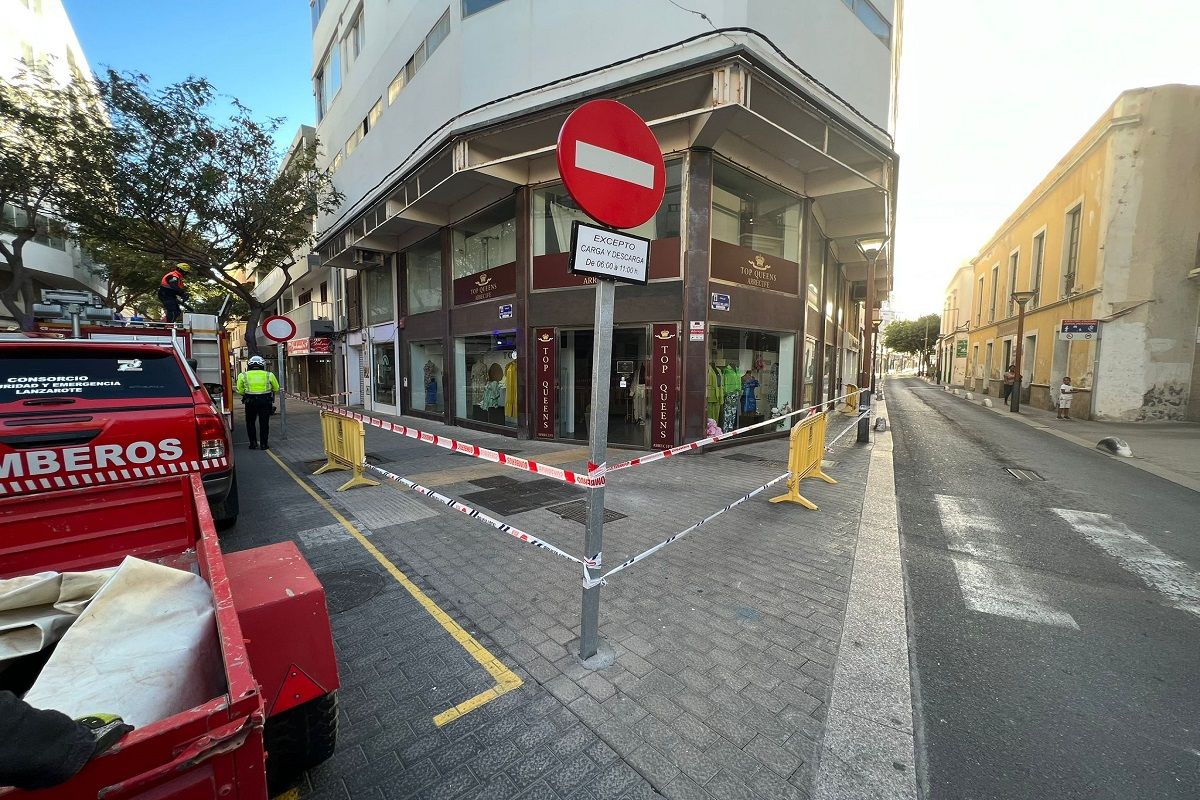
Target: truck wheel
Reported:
[(298, 740), (225, 513)]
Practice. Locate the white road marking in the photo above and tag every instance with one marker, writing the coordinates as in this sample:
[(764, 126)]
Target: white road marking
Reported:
[(1158, 570), (613, 164), (989, 584)]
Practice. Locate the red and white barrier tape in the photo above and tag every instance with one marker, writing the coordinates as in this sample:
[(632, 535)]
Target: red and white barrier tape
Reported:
[(475, 513), (696, 445), (589, 581), (594, 478)]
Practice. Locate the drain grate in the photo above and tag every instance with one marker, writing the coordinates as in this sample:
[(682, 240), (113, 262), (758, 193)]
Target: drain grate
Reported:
[(1022, 474), (521, 496), (495, 482), (750, 458), (576, 511)]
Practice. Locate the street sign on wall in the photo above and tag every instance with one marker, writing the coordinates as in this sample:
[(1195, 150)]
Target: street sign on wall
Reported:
[(611, 164), (1078, 329)]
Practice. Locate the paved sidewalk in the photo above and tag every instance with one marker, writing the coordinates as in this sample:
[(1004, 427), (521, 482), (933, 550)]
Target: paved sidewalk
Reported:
[(725, 641), (1170, 450)]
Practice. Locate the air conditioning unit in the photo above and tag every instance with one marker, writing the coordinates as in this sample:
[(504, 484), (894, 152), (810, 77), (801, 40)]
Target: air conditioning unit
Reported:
[(367, 258)]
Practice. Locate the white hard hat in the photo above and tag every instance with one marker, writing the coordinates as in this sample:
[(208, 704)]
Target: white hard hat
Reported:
[(257, 360)]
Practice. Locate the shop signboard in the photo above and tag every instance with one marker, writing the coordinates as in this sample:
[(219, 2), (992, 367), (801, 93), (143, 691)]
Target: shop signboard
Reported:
[(315, 346), (960, 349), (487, 285), (741, 265), (544, 345), (665, 363), (603, 253)]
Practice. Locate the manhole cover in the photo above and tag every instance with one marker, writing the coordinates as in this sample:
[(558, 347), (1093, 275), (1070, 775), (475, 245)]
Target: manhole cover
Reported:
[(1022, 474), (750, 458), (495, 482), (576, 511), (347, 589)]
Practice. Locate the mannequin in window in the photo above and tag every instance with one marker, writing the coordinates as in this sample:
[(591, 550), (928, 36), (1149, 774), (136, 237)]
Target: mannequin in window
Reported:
[(431, 386), (731, 384), (479, 372), (715, 396), (492, 402), (749, 401)]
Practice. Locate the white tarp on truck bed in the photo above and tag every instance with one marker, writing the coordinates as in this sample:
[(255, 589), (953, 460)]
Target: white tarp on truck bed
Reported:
[(36, 610), (145, 648)]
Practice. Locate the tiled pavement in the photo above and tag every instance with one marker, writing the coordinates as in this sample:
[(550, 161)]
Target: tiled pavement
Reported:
[(725, 641)]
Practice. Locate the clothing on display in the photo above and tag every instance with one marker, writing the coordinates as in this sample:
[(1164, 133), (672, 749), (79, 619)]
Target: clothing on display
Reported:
[(715, 397), (479, 378), (431, 386), (510, 393), (731, 384), (749, 402)]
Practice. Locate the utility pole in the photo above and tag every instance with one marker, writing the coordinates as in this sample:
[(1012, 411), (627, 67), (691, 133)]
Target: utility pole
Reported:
[(870, 249)]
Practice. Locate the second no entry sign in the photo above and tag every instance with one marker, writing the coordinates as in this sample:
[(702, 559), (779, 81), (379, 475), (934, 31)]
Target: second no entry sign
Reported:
[(611, 164)]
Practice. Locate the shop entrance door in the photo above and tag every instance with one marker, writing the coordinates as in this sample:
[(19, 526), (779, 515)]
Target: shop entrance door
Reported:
[(629, 403)]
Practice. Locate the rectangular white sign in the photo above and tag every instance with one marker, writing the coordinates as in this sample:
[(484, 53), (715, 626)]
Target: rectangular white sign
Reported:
[(609, 254)]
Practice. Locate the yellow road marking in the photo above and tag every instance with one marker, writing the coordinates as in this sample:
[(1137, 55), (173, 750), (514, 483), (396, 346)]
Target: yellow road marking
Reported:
[(506, 679)]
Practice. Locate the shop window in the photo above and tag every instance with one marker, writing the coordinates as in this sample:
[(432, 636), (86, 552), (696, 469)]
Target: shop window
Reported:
[(424, 269), (810, 370), (383, 376), (377, 295), (749, 375), (486, 240), (487, 385), (754, 214), (427, 376), (630, 392), (554, 210)]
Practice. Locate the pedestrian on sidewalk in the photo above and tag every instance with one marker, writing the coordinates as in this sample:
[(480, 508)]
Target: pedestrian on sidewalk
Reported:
[(257, 388), (1010, 379), (1064, 398)]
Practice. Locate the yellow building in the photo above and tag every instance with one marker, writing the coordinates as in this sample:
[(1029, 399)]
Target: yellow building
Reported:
[(1110, 235)]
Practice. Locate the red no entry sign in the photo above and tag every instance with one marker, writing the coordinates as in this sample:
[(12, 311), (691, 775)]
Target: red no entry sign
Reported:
[(611, 164)]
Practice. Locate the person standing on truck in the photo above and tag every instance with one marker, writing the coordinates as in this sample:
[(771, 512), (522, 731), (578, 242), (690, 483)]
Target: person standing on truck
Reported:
[(257, 388), (171, 292)]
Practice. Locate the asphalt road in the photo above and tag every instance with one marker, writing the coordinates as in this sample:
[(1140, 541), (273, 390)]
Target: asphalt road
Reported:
[(1055, 624)]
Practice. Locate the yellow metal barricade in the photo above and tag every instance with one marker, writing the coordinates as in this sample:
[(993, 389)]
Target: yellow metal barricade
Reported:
[(345, 448), (806, 449), (851, 407)]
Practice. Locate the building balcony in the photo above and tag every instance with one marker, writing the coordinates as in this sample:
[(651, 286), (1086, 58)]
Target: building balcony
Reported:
[(312, 319)]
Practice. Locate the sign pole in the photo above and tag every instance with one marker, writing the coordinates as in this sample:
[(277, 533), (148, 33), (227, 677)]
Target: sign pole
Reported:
[(593, 544), (279, 361)]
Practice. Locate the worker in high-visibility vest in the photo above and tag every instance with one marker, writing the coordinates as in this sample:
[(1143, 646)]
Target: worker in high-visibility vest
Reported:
[(171, 292), (257, 388)]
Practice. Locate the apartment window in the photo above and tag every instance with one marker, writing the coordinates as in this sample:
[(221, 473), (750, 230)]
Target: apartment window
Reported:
[(995, 282), (979, 306), (352, 142), (13, 219), (1009, 303), (324, 292), (1035, 268), (470, 7), (336, 164), (373, 116), (438, 33), (1071, 256), (355, 39), (396, 85), (868, 15), (316, 8), (305, 297), (753, 214), (328, 81)]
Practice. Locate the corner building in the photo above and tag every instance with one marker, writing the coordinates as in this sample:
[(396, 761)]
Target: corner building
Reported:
[(440, 122)]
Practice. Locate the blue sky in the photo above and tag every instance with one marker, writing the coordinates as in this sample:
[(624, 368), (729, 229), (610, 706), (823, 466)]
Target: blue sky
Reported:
[(259, 51)]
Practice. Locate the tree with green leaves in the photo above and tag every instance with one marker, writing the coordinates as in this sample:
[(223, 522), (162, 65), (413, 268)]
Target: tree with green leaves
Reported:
[(215, 194), (916, 337), (55, 154)]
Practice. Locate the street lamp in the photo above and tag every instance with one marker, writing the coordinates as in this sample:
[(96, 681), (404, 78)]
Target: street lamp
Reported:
[(870, 247), (1014, 400)]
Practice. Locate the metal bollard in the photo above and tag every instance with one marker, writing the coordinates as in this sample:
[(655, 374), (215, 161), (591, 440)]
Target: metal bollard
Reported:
[(864, 423)]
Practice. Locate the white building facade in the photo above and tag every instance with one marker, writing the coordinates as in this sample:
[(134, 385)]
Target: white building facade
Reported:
[(440, 122), (38, 34)]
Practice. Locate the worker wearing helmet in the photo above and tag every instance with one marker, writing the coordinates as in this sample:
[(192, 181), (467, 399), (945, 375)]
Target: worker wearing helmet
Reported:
[(171, 292), (257, 388)]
